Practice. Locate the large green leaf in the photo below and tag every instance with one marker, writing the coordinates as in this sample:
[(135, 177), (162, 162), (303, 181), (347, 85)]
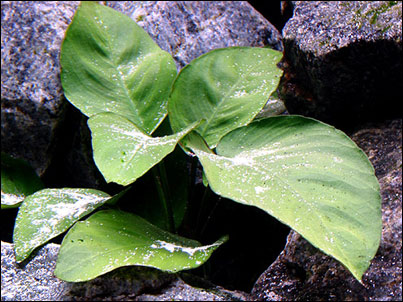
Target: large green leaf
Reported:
[(111, 239), (18, 180), (123, 152), (49, 212), (226, 87), (111, 64), (308, 175)]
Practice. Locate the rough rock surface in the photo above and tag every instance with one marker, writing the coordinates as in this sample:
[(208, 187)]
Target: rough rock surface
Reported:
[(31, 94), (343, 59), (188, 29), (34, 281), (179, 290), (302, 272)]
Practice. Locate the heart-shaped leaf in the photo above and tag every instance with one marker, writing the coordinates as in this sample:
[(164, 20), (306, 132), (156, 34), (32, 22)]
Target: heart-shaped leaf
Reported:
[(226, 87), (308, 175), (111, 239), (18, 180), (49, 212), (109, 63), (123, 152)]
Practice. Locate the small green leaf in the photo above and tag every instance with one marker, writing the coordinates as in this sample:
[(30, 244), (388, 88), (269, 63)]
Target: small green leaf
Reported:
[(308, 175), (123, 152), (18, 180), (49, 212), (226, 87), (111, 239), (109, 63)]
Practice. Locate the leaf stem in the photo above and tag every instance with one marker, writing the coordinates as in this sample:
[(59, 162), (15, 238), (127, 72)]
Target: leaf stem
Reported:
[(202, 208), (193, 168), (209, 217), (161, 182)]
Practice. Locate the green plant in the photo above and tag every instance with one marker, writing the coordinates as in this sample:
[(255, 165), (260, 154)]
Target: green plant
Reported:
[(18, 180), (305, 173)]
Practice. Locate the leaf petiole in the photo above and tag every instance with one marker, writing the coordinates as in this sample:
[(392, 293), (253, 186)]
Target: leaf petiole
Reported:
[(161, 182)]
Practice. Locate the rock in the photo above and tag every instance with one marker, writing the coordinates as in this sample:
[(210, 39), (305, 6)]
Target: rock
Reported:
[(37, 123), (190, 29), (302, 272), (200, 290), (32, 104), (39, 126), (343, 61), (34, 281)]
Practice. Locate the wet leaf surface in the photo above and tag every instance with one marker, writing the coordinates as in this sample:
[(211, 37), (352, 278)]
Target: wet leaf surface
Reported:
[(226, 87), (122, 152), (109, 63), (111, 239), (50, 212), (308, 175)]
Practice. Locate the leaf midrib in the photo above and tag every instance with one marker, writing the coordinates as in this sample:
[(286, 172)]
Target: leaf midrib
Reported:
[(120, 76), (222, 101)]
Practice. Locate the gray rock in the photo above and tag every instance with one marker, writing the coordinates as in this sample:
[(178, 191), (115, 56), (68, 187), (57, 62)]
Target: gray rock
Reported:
[(200, 290), (188, 29), (40, 127), (302, 272), (34, 281), (343, 60), (31, 95)]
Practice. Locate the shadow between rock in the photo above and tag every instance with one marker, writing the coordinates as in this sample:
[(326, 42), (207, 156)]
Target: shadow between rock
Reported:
[(255, 241)]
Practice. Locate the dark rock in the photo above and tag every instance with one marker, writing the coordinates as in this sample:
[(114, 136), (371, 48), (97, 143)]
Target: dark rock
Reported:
[(73, 164), (302, 272), (238, 263), (274, 11), (34, 281), (343, 61)]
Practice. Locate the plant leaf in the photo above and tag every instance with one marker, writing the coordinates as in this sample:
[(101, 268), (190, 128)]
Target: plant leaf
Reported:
[(18, 180), (49, 212), (308, 175), (110, 239), (122, 152), (227, 87), (109, 63)]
